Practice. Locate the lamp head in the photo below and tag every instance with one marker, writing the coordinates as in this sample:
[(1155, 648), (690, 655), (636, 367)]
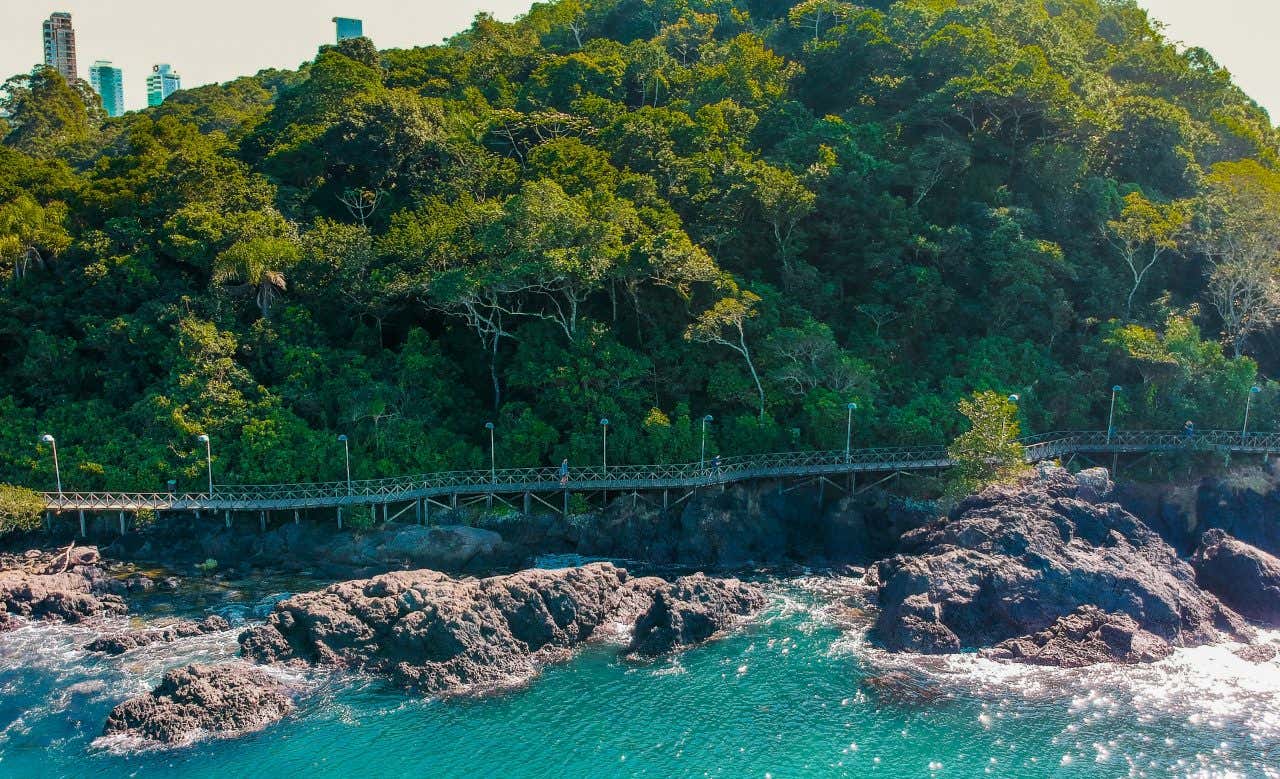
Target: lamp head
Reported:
[(1014, 398), (851, 406), (708, 418), (1117, 388), (202, 438), (488, 425), (46, 438), (343, 438), (604, 421), (1255, 389)]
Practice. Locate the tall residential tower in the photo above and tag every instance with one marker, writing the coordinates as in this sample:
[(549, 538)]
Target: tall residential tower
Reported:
[(108, 82), (348, 28), (60, 44), (162, 82)]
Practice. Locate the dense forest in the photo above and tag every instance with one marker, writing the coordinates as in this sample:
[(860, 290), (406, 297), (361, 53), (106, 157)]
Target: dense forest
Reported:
[(641, 210)]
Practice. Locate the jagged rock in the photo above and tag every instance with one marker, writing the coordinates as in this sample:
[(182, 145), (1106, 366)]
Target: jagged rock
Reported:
[(690, 610), (1244, 577), (1086, 636), (1014, 559), (71, 587), (1258, 653), (199, 701), (450, 636), (119, 643)]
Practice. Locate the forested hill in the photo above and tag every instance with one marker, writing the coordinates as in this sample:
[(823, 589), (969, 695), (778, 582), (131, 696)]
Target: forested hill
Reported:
[(645, 210)]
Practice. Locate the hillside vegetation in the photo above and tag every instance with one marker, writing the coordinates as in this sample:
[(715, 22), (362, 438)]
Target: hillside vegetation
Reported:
[(645, 210)]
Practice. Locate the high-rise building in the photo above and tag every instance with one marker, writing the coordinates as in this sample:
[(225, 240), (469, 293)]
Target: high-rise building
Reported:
[(60, 44), (108, 82), (162, 82), (348, 28)]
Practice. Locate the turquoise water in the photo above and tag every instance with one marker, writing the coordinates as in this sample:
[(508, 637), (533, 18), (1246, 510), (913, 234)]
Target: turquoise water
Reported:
[(783, 697)]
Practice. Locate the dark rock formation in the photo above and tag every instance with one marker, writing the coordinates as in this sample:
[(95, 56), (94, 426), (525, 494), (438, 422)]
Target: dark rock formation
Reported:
[(119, 643), (1086, 636), (448, 636), (1244, 577), (320, 548), (1245, 505), (1014, 559), (689, 611), (199, 701), (68, 586), (737, 527)]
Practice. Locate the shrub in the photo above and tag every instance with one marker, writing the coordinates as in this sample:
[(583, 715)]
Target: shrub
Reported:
[(20, 508)]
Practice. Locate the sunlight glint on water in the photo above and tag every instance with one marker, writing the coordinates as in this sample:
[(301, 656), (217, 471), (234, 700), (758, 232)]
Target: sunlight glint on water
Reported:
[(783, 698)]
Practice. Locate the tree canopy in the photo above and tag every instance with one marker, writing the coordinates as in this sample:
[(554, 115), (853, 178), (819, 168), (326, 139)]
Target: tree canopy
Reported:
[(646, 210)]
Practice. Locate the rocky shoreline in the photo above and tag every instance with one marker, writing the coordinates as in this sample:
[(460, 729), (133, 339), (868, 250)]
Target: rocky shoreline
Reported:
[(1053, 570)]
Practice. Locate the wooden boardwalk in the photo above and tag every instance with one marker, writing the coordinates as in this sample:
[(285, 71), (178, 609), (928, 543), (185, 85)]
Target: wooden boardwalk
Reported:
[(453, 488)]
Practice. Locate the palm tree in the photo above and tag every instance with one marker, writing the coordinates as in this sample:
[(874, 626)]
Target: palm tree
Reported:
[(256, 266)]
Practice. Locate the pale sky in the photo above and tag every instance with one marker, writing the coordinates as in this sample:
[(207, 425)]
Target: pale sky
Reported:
[(217, 40)]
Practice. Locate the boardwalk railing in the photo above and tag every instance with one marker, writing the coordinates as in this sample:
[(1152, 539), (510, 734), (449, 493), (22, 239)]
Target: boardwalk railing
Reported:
[(625, 478)]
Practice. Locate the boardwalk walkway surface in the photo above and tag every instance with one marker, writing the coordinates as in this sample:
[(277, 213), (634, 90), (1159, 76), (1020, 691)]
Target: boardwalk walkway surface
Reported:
[(448, 486)]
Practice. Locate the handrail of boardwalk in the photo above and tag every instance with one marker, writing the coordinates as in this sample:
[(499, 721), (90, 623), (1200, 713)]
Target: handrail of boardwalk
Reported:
[(618, 478)]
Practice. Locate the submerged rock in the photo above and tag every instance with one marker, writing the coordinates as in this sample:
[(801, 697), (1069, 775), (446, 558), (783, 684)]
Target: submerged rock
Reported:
[(68, 586), (1258, 653), (119, 643), (448, 636), (1246, 578), (199, 701), (1014, 559), (690, 610), (1086, 636)]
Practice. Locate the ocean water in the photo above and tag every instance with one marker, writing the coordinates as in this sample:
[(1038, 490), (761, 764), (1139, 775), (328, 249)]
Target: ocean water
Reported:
[(784, 696)]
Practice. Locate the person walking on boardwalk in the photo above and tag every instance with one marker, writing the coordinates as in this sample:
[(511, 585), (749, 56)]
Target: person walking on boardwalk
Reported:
[(1189, 431), (564, 472), (715, 466)]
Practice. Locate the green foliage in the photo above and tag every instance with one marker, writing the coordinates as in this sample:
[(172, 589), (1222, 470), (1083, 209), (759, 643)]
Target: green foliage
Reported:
[(650, 211), (988, 452), (20, 509)]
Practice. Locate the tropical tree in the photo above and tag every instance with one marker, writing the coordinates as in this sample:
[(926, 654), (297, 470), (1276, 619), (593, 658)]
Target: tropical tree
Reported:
[(1143, 233), (257, 267), (725, 324), (988, 452)]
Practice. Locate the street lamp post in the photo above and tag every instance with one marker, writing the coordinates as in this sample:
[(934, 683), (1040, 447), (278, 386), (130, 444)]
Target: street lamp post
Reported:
[(1111, 415), (208, 459), (1003, 423), (1244, 429), (57, 469), (604, 445), (346, 450), (702, 456), (604, 453), (848, 429)]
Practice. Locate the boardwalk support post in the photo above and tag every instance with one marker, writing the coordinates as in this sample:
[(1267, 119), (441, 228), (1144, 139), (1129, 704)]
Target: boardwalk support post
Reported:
[(227, 515), (384, 513), (82, 533), (262, 521), (339, 517), (453, 501), (121, 523), (566, 504), (526, 503), (417, 510), (426, 511), (666, 499), (296, 518)]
